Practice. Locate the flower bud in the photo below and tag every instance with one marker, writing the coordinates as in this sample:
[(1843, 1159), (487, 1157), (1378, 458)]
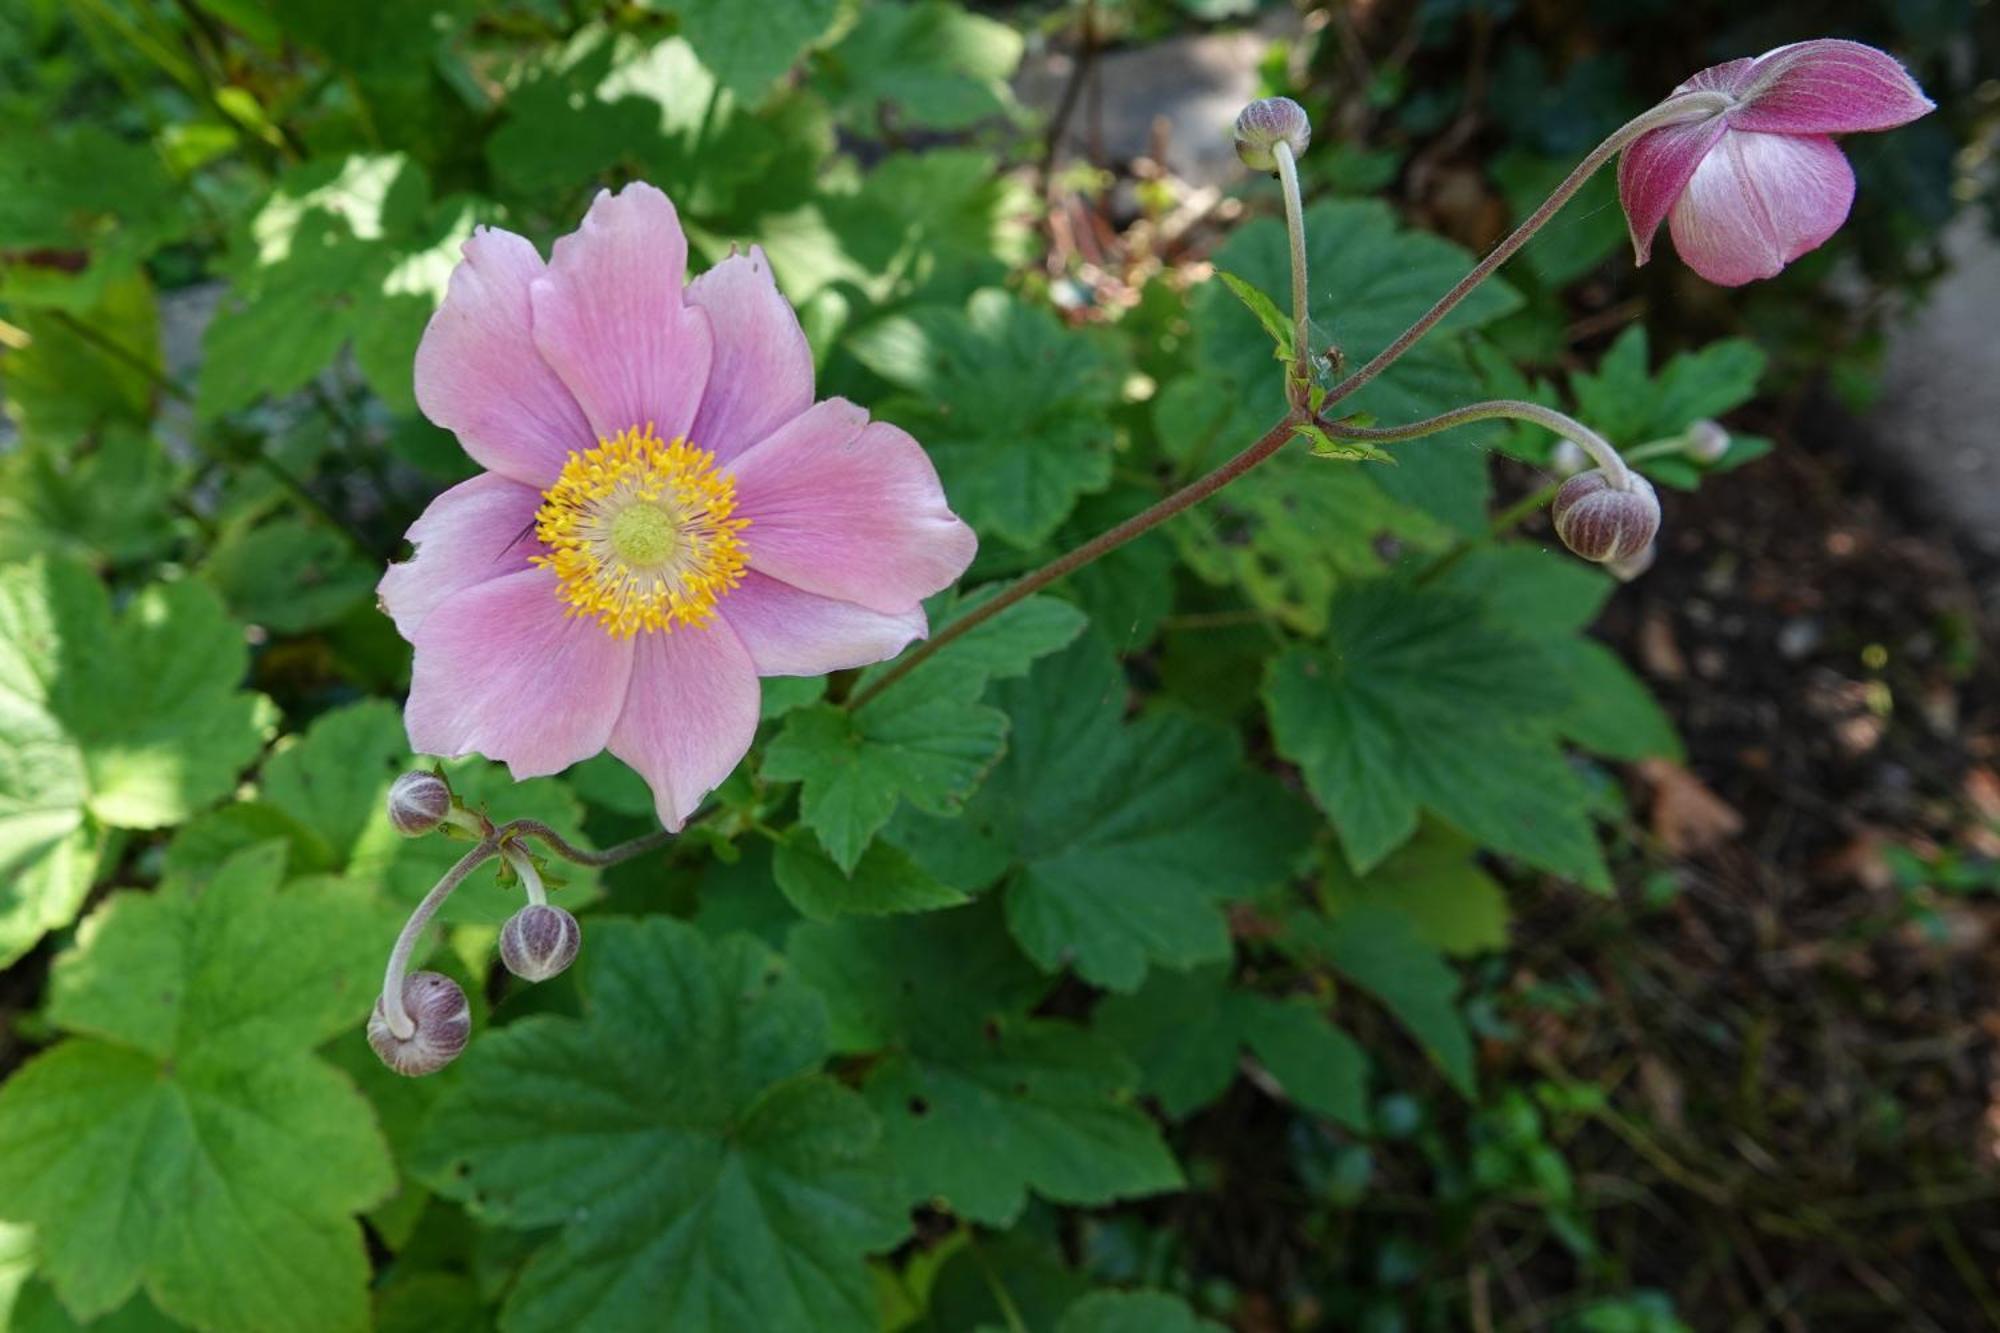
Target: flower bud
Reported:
[(1569, 458), (1627, 570), (1266, 122), (1707, 441), (443, 1024), (1602, 523), (539, 941), (418, 803)]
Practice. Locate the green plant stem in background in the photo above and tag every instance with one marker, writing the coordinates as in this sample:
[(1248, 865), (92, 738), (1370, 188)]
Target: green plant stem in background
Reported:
[(1687, 106), (1295, 227)]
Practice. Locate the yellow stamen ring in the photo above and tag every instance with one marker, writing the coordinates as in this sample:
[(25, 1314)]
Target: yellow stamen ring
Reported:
[(639, 533)]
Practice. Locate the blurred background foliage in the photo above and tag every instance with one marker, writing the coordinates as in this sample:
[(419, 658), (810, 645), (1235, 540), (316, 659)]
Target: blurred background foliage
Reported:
[(1330, 965)]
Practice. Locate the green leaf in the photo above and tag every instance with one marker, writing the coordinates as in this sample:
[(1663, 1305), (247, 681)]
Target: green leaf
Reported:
[(86, 370), (1629, 403), (933, 64), (1380, 951), (1549, 598), (188, 1140), (1370, 278), (1267, 313), (133, 721), (1435, 881), (1420, 703), (751, 46), (324, 792), (700, 1173), (343, 249), (980, 1104), (288, 575), (106, 500), (1187, 1029), (1115, 842), (79, 210), (925, 740), (885, 880), (1134, 1312), (1013, 408)]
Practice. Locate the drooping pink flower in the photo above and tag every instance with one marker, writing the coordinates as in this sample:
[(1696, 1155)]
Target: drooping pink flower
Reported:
[(1749, 189), (666, 513)]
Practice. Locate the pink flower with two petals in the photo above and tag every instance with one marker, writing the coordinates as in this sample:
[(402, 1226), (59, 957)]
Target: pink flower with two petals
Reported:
[(666, 513), (1749, 189)]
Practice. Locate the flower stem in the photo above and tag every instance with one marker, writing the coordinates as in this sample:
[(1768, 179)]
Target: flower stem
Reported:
[(501, 842), (1497, 409), (531, 878), (1673, 111), (413, 929), (1105, 542), (610, 856), (1295, 226)]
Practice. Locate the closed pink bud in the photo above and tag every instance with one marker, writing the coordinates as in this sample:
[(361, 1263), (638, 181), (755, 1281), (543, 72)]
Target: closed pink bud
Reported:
[(1602, 523), (418, 803), (1747, 189), (436, 1005), (1267, 122), (1707, 441), (539, 941)]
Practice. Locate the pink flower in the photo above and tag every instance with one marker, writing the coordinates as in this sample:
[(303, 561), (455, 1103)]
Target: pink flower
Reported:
[(666, 513), (1749, 189)]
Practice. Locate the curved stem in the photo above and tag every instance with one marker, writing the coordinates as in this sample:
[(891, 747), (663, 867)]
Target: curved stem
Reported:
[(1109, 540), (1508, 409), (1295, 226), (413, 929), (561, 846), (531, 878), (1673, 111)]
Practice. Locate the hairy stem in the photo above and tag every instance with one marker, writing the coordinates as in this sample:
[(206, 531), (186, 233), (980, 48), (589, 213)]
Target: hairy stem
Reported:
[(1673, 111), (610, 856), (531, 878), (1295, 226), (1107, 541), (1508, 409), (413, 929)]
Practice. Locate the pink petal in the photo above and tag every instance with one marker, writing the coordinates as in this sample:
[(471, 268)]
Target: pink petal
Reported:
[(849, 510), (762, 375), (478, 373), (610, 320), (1829, 87), (473, 533), (1655, 168), (502, 671), (794, 633), (689, 716), (1759, 201), (1731, 76)]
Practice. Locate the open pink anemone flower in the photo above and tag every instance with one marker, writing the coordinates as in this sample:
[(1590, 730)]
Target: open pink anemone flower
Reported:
[(666, 513), (1751, 188)]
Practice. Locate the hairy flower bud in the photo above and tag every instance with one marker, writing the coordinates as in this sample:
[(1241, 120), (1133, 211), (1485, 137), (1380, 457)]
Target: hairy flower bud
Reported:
[(443, 1025), (1265, 123), (1602, 523), (539, 941), (418, 803), (1707, 441), (1627, 570)]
